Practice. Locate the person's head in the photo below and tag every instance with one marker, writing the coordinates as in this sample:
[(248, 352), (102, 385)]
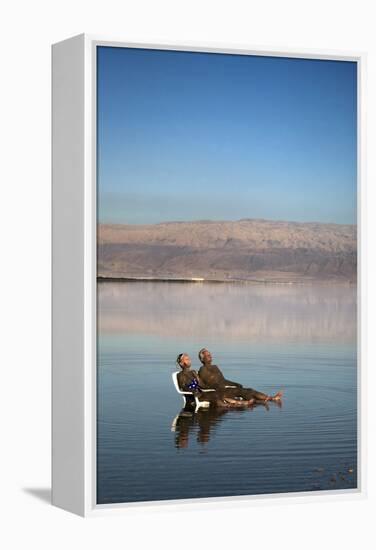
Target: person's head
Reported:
[(205, 356), (183, 360)]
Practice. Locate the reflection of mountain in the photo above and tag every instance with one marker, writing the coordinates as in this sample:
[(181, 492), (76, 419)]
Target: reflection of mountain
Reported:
[(246, 249), (255, 313)]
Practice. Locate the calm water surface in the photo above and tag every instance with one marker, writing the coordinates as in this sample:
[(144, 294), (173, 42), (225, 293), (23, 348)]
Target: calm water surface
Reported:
[(301, 339)]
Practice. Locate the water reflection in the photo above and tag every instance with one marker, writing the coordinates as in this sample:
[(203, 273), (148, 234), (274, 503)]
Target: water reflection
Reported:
[(204, 422), (256, 313), (301, 339), (201, 423)]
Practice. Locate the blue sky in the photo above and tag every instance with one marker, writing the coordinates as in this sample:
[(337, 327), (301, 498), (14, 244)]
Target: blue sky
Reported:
[(190, 136)]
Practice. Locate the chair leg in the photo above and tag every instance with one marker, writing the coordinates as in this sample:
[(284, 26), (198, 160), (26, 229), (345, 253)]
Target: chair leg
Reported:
[(198, 404)]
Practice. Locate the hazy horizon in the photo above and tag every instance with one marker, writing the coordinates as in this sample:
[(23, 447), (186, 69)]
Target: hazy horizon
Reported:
[(212, 220)]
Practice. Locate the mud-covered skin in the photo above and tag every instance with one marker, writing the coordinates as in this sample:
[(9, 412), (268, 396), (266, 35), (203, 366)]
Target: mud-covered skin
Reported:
[(224, 397), (211, 376)]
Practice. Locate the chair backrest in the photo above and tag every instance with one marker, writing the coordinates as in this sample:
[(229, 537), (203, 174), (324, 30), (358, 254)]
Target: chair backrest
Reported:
[(175, 381)]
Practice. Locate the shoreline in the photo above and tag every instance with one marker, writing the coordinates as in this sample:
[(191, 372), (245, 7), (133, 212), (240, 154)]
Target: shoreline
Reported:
[(201, 280)]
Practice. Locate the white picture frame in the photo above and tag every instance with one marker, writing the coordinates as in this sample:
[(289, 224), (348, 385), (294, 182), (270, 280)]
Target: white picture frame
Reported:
[(74, 276)]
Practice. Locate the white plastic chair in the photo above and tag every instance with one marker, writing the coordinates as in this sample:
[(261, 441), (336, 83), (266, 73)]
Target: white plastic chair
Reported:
[(185, 393)]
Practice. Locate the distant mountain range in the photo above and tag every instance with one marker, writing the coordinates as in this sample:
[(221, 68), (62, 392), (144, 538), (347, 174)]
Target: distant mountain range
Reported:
[(248, 249)]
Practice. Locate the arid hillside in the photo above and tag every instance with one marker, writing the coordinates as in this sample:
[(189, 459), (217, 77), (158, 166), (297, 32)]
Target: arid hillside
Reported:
[(244, 249)]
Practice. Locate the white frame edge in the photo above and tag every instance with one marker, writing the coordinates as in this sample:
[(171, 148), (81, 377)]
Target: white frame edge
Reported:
[(68, 138), (74, 279)]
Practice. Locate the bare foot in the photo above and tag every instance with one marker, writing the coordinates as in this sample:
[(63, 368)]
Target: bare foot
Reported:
[(277, 396)]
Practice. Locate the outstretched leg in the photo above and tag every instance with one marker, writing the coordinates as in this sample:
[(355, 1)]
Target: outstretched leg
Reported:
[(235, 403), (263, 398), (250, 393)]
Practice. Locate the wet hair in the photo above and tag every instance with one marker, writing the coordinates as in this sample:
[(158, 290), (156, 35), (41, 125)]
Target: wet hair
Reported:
[(201, 354), (179, 358)]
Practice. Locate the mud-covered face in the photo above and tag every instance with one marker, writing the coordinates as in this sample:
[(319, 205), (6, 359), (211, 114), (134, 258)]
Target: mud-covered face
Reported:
[(185, 361), (206, 356)]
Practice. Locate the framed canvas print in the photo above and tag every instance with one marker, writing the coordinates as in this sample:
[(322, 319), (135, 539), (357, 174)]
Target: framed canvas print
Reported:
[(207, 267)]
